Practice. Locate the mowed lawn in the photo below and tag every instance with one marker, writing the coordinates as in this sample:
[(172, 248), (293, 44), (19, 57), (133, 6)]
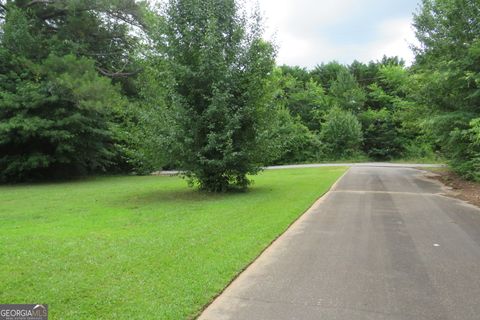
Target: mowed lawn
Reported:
[(140, 247)]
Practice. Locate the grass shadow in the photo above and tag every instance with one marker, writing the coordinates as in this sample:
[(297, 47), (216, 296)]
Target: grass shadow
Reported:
[(187, 196)]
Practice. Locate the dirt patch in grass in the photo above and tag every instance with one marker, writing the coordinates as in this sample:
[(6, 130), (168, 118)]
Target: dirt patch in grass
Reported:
[(459, 188)]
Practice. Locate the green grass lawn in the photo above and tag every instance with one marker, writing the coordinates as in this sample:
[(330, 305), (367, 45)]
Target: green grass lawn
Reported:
[(140, 247)]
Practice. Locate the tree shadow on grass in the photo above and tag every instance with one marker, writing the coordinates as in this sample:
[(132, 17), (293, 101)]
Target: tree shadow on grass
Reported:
[(188, 196)]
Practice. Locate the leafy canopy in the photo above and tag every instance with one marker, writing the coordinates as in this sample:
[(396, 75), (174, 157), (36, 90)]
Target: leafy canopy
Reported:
[(221, 68)]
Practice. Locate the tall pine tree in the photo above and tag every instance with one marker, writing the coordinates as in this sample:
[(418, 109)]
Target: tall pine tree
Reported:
[(57, 62)]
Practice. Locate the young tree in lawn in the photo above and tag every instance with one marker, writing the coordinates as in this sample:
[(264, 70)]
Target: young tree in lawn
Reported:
[(221, 68)]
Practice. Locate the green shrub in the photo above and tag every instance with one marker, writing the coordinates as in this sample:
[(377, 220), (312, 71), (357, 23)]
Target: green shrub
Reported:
[(419, 150), (464, 151), (292, 141), (341, 134), (456, 136)]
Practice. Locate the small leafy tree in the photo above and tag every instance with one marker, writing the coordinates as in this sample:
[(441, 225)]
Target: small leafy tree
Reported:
[(221, 68), (341, 133)]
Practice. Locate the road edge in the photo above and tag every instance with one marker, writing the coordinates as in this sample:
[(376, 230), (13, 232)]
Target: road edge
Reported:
[(298, 220)]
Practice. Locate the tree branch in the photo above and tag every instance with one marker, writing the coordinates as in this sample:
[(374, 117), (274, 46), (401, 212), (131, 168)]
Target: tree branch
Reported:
[(131, 18), (117, 74), (33, 2)]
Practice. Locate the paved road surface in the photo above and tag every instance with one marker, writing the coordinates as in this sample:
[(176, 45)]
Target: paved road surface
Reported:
[(383, 244), (359, 164), (319, 165)]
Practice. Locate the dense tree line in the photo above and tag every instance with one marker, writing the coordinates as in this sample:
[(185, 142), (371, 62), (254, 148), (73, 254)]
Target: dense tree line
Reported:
[(90, 86), (349, 112), (64, 68), (447, 71)]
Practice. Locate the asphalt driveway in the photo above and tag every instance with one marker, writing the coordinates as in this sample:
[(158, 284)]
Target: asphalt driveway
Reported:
[(382, 244)]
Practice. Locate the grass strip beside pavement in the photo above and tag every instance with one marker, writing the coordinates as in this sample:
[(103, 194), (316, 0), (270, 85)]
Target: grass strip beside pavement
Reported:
[(141, 247)]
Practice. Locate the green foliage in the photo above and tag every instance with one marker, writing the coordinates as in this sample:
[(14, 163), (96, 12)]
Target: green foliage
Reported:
[(448, 70), (103, 30), (393, 79), (390, 89), (326, 74), (297, 73), (141, 247), (54, 121), (382, 89), (420, 151), (457, 137), (221, 68), (347, 93), (474, 131), (466, 161), (60, 115), (287, 138), (365, 74), (382, 139), (148, 129), (385, 135), (474, 137), (341, 133), (308, 101), (193, 86), (294, 142)]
